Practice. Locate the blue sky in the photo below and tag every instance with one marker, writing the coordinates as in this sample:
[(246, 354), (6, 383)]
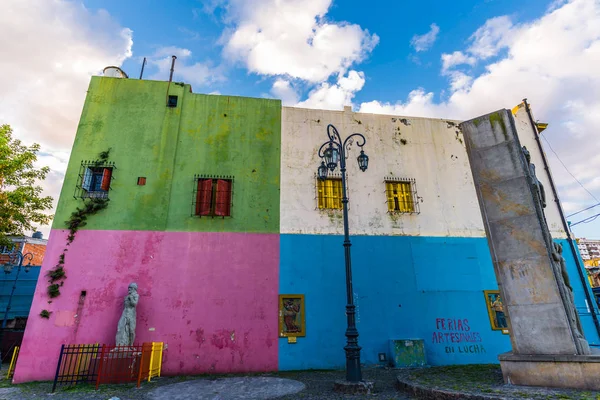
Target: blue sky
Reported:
[(438, 59), (391, 69)]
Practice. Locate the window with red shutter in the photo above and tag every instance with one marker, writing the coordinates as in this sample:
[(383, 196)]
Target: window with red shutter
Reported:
[(106, 174), (204, 197), (223, 201), (96, 178)]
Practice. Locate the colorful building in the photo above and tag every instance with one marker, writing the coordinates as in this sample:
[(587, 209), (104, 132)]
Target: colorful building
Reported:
[(216, 213), (589, 248), (24, 288)]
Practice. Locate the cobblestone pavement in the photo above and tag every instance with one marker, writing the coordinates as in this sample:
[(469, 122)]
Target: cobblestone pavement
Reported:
[(319, 385)]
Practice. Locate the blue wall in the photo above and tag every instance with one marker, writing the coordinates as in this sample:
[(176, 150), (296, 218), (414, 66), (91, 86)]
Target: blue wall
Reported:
[(403, 287), (23, 296)]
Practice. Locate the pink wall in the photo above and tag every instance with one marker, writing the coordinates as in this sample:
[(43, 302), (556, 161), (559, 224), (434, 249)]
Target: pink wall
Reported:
[(211, 297)]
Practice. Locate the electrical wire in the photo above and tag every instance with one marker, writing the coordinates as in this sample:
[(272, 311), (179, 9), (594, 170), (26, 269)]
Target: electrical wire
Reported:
[(587, 220), (585, 209), (567, 169)]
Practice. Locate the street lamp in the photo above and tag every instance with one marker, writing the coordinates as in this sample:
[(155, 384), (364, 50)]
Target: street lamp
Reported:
[(15, 259), (333, 152)]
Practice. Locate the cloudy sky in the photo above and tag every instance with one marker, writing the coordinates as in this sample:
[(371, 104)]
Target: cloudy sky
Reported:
[(428, 58)]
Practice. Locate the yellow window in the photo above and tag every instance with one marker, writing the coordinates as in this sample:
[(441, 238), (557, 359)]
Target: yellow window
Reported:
[(400, 197), (329, 193)]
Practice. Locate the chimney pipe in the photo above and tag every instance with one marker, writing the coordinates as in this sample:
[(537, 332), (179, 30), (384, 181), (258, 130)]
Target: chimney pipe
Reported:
[(172, 68), (142, 71), (170, 78)]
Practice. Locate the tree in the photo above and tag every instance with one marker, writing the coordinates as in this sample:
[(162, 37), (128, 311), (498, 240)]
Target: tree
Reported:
[(21, 202)]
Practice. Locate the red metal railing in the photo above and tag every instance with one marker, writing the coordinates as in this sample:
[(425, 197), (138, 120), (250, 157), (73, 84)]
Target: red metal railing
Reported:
[(101, 364)]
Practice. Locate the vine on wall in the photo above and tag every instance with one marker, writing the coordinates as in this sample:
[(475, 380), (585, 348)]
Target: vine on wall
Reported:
[(78, 219)]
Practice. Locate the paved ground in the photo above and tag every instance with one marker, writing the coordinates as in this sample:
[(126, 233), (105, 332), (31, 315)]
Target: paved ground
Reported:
[(251, 388), (481, 381), (313, 384)]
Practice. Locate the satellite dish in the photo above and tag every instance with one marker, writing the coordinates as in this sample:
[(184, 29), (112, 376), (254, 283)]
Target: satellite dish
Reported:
[(114, 72)]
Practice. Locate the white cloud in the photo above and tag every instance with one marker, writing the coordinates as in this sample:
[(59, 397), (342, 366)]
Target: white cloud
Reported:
[(459, 81), (293, 38), (283, 89), (335, 96), (553, 61), (196, 73), (419, 103), (50, 49), (425, 41), (456, 58), (495, 34)]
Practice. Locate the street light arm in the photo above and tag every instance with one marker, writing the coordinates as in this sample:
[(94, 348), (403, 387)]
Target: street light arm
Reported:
[(334, 135), (360, 142), (18, 258)]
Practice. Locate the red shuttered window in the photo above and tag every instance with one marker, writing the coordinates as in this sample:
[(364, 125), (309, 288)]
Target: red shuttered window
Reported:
[(204, 197), (223, 203), (213, 197), (106, 174)]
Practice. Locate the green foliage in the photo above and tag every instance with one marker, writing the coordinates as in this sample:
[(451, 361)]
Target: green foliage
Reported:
[(78, 218), (103, 157), (54, 290), (57, 273), (21, 202), (45, 314)]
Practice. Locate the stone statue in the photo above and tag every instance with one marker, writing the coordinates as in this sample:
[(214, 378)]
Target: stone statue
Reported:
[(126, 326), (557, 261), (563, 279), (540, 188)]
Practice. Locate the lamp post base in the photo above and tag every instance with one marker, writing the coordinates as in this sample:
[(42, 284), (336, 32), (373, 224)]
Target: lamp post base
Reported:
[(346, 387)]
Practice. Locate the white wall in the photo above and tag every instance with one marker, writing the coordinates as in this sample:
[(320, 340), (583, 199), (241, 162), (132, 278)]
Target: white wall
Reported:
[(434, 155)]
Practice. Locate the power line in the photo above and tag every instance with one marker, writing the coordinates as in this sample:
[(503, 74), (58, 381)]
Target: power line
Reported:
[(567, 169), (585, 209), (587, 220)]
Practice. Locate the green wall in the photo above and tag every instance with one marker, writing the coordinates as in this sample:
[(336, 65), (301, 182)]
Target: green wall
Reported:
[(204, 134)]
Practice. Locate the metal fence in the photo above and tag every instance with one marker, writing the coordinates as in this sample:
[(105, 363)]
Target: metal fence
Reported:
[(155, 361), (101, 364), (77, 363)]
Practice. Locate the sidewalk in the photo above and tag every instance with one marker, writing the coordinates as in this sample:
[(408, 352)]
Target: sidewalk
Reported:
[(306, 385), (474, 382)]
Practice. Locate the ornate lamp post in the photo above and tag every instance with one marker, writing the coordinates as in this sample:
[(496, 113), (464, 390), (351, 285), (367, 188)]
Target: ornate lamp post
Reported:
[(333, 152), (16, 259)]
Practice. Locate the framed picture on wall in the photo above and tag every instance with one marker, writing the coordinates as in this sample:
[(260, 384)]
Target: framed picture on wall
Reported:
[(496, 311), (292, 315)]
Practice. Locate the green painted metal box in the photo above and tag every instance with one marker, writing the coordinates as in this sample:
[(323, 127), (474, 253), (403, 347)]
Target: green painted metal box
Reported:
[(408, 353)]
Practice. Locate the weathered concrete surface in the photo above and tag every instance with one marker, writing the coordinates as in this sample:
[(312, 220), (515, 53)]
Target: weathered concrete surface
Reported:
[(548, 345), (518, 238), (476, 382), (247, 388), (346, 387), (577, 372)]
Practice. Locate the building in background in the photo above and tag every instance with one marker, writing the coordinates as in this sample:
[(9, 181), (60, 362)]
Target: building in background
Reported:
[(25, 287), (216, 213), (589, 249)]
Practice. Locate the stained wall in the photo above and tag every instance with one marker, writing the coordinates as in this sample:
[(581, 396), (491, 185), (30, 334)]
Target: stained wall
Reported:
[(412, 273), (208, 286)]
